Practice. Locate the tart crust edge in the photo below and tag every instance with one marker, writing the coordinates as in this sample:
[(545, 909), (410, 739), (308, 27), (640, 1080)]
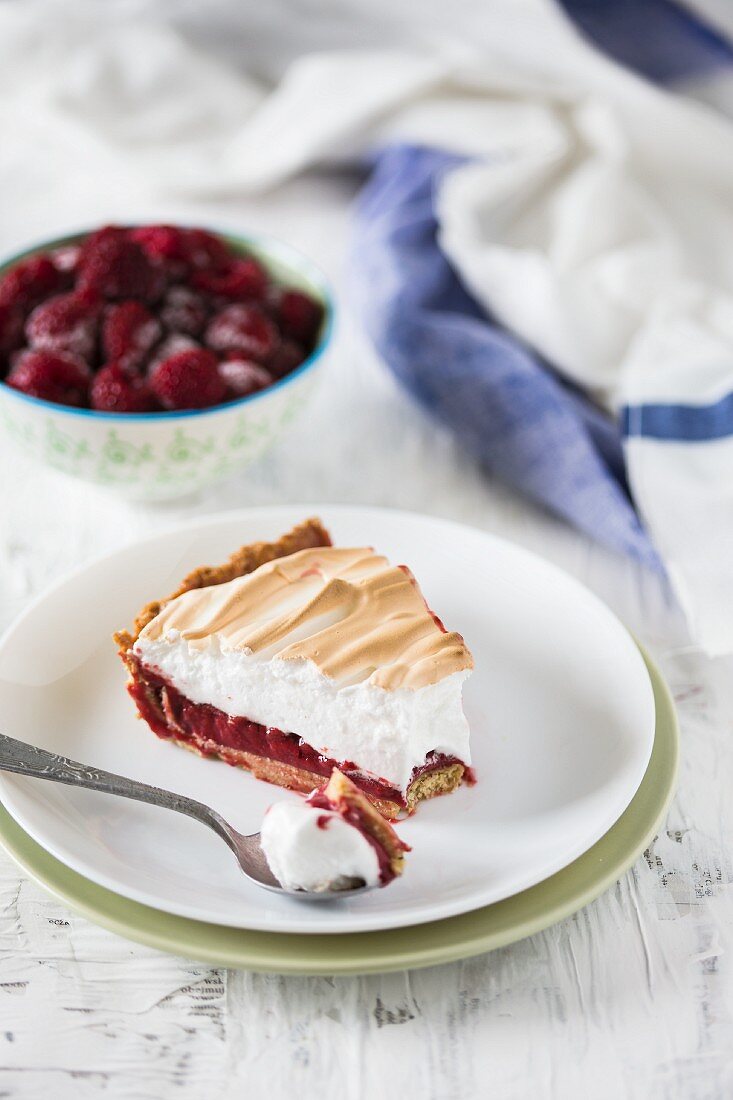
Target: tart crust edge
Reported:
[(344, 794)]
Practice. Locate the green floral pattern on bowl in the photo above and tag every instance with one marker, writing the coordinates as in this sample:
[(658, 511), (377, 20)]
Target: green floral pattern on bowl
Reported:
[(165, 455)]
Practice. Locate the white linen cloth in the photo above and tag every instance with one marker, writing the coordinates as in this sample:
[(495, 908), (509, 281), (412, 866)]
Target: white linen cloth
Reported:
[(596, 223)]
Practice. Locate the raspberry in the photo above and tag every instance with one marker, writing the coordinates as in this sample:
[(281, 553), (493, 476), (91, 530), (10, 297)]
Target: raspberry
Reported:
[(287, 356), (183, 311), (114, 390), (180, 250), (243, 377), (11, 329), (205, 250), (65, 323), (160, 242), (244, 329), (116, 267), (172, 345), (129, 333), (299, 315), (53, 376), (165, 247), (29, 282), (66, 258), (241, 279), (188, 380)]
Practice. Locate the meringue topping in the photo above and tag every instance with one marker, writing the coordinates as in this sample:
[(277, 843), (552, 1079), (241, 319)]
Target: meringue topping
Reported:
[(351, 613), (316, 850)]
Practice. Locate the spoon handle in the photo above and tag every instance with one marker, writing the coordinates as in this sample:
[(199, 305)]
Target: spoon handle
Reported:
[(24, 759)]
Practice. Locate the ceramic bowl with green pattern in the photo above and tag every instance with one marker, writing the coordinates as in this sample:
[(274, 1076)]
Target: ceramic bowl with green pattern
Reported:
[(158, 456)]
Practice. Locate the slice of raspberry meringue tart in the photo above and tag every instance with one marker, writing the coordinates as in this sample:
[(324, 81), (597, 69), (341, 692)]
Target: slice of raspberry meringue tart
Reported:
[(295, 657)]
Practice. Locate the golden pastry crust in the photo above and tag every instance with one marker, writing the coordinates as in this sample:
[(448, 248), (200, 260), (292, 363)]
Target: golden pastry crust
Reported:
[(433, 783), (282, 775), (306, 535), (345, 796)]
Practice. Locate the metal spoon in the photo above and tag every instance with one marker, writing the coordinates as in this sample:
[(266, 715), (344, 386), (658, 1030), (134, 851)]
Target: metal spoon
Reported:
[(24, 759)]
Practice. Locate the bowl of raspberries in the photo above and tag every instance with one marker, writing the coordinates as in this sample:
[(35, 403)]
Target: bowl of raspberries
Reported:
[(155, 359)]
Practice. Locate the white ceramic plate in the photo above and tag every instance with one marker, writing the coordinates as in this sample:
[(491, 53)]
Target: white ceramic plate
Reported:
[(560, 706)]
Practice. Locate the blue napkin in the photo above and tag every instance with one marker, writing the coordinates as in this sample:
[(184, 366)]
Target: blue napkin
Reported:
[(664, 40), (509, 409)]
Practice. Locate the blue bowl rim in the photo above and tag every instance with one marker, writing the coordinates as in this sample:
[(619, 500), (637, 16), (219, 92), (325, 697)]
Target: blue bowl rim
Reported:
[(267, 246)]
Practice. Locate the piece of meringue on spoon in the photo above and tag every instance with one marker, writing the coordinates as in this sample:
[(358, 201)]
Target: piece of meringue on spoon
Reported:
[(332, 840)]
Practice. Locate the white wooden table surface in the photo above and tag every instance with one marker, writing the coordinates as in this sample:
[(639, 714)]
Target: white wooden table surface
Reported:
[(632, 997)]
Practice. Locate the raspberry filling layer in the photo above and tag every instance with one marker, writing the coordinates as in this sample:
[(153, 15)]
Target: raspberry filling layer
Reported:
[(173, 716)]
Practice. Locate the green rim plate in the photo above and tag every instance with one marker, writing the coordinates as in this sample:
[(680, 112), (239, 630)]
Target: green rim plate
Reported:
[(398, 949)]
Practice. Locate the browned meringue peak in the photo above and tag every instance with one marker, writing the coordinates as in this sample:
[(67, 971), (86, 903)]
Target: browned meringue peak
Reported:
[(347, 610)]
